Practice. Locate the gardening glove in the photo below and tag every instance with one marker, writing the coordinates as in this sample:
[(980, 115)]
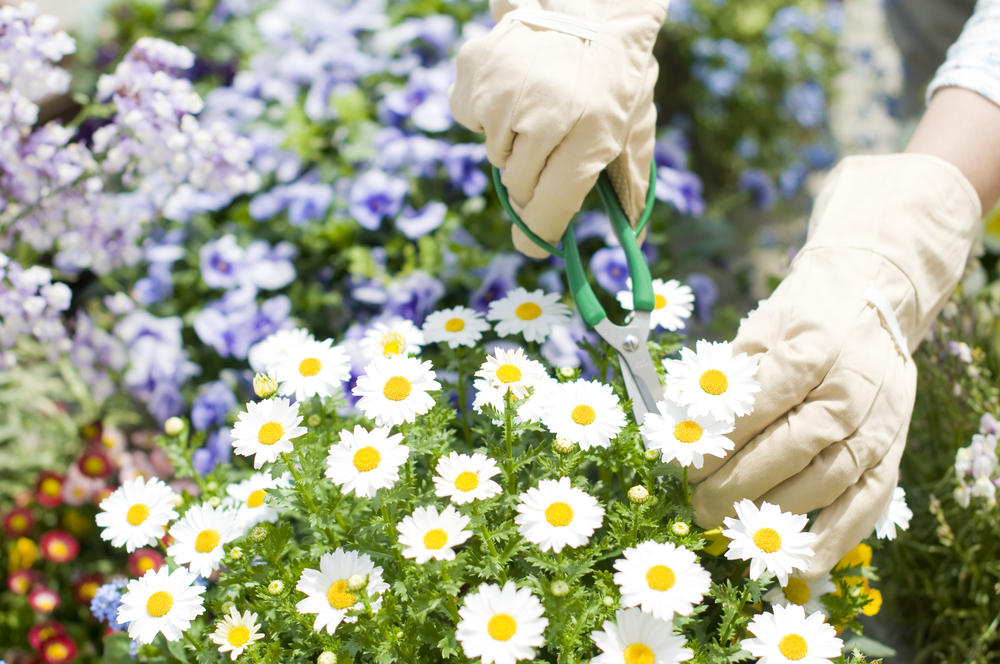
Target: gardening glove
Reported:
[(888, 242), (563, 89)]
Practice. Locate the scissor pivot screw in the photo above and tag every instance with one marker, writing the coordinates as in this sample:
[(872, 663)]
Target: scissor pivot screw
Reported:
[(630, 343)]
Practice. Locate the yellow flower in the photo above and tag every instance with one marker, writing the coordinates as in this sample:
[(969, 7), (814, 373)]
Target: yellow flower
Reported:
[(875, 604), (861, 555), (23, 554), (716, 542)]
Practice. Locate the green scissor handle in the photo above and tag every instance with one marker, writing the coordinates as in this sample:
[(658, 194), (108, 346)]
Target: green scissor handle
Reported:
[(586, 301)]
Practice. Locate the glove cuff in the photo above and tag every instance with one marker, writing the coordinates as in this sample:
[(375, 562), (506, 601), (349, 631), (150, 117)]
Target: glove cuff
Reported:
[(916, 211), (628, 24)]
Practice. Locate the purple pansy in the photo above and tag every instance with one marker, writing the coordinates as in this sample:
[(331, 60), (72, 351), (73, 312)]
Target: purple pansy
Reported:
[(376, 195)]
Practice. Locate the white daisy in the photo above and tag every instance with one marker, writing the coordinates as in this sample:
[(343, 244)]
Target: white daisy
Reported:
[(769, 539), (161, 602), (585, 412), (501, 625), (427, 534), (803, 593), (458, 326), (136, 514), (712, 381), (398, 336), (787, 635), (531, 314), (265, 354), (661, 579), (688, 438), (312, 368), (555, 514), (395, 389), (249, 496), (897, 513), (530, 408), (638, 638), (199, 536), (326, 588), (236, 632), (673, 303), (511, 371), (266, 430), (366, 461), (465, 478)]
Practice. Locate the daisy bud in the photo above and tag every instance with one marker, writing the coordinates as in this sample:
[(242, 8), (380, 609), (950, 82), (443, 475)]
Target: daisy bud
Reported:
[(680, 529), (563, 445), (173, 426), (314, 420), (608, 601), (652, 455), (227, 607), (326, 657), (567, 372), (259, 533), (275, 588), (214, 501), (211, 486), (559, 588), (356, 582), (236, 553), (638, 494), (264, 385)]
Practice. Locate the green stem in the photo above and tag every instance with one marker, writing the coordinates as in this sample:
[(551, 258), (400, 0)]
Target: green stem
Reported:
[(462, 399), (508, 434), (687, 487), (190, 639), (494, 556), (306, 498)]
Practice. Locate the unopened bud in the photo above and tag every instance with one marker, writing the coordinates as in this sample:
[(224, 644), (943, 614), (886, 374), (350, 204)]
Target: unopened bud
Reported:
[(264, 385), (608, 601), (680, 529), (567, 372), (355, 582), (638, 494), (214, 501), (560, 588), (326, 657), (563, 445), (314, 420), (652, 455), (173, 426), (236, 553), (228, 607), (259, 533), (275, 588)]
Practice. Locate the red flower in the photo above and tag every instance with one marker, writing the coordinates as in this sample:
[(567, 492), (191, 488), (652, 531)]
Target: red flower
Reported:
[(58, 650), (141, 561), (44, 600), (94, 463), (39, 634), (59, 546), (18, 521), (86, 587), (20, 582), (49, 488)]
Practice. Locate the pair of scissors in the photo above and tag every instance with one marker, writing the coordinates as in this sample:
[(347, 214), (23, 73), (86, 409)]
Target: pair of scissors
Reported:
[(638, 370)]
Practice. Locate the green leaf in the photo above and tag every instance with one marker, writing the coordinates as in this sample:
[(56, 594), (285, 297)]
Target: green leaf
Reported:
[(869, 646)]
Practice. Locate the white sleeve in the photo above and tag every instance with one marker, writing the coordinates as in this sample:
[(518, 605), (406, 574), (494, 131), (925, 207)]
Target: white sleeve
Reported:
[(973, 61)]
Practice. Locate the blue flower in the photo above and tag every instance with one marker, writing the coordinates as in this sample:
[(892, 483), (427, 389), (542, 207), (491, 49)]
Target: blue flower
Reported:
[(424, 100), (788, 19), (499, 278), (417, 223), (609, 267), (760, 186), (304, 200), (819, 156), (418, 155), (234, 323), (671, 150), (783, 49), (682, 189), (807, 103), (225, 264), (106, 601), (221, 261), (791, 179), (706, 292), (374, 196), (413, 297), (212, 405), (218, 449), (463, 163)]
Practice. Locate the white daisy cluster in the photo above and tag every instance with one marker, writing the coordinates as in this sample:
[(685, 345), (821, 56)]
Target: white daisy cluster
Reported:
[(672, 304), (303, 366)]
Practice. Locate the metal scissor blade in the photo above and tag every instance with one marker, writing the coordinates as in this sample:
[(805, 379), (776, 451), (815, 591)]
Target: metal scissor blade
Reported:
[(638, 370)]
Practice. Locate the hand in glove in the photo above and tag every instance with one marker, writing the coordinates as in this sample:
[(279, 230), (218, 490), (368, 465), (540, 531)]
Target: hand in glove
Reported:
[(557, 108), (888, 241)]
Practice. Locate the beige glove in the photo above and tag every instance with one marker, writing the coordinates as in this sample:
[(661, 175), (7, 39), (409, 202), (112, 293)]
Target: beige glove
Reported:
[(557, 108), (830, 422)]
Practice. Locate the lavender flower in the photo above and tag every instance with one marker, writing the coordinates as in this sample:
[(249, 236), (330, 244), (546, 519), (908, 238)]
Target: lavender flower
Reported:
[(424, 100), (761, 187), (609, 267), (464, 165), (413, 297), (706, 292), (234, 323), (807, 103), (212, 405), (682, 189), (417, 223), (374, 196), (304, 200), (499, 278), (218, 449)]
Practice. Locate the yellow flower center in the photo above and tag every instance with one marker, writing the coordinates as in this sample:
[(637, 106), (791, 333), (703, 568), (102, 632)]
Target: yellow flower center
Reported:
[(159, 603), (256, 498), (18, 523), (796, 592), (714, 382), (559, 514), (435, 539), (659, 302), (466, 481), (145, 564), (638, 653), (93, 466), (366, 459), (270, 433), (583, 415), (397, 388), (501, 626), (455, 325), (767, 540), (88, 590), (793, 647), (508, 373), (238, 636), (206, 541), (660, 577), (391, 348), (58, 549), (688, 431), (56, 652), (393, 343), (51, 486), (310, 366), (137, 514), (528, 311), (339, 599)]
